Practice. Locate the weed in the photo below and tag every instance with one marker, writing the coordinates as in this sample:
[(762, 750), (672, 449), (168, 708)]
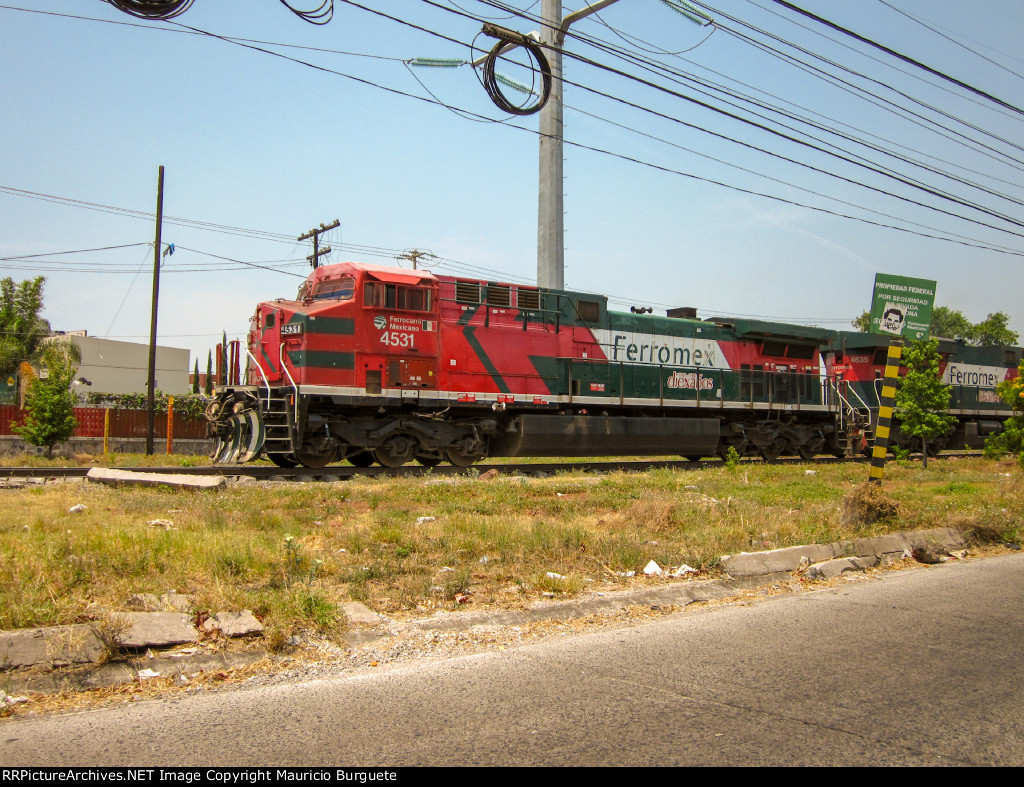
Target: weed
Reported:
[(298, 568), (732, 459)]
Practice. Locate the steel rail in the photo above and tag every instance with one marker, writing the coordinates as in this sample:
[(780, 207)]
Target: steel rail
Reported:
[(344, 472)]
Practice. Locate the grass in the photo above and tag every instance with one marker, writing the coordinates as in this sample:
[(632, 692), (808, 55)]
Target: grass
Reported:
[(292, 553)]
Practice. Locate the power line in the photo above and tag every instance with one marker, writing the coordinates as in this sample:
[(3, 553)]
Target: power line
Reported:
[(899, 56)]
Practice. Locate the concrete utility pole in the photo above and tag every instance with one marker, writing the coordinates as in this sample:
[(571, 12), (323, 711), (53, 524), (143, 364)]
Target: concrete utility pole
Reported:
[(551, 211), (314, 258)]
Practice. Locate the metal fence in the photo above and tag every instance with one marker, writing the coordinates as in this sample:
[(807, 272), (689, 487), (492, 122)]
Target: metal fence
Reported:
[(123, 423)]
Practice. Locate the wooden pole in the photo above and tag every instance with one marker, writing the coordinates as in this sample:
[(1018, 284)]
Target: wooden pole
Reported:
[(151, 392)]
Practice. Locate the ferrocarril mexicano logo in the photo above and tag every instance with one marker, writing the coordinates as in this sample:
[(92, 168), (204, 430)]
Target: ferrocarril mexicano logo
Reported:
[(627, 347)]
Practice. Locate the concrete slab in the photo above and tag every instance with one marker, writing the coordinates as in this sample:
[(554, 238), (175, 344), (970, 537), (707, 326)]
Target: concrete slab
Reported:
[(833, 568), (234, 624), (361, 615), (57, 645), (153, 629), (111, 477), (748, 564)]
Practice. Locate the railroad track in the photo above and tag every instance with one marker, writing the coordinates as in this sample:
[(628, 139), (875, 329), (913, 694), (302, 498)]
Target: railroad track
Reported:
[(344, 472)]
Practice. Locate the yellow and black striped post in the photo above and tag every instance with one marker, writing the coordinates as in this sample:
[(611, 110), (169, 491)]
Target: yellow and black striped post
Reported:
[(885, 410)]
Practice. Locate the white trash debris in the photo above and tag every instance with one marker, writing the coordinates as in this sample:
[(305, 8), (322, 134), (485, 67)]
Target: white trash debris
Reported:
[(553, 575), (148, 673), (682, 571), (78, 508), (652, 569), (166, 524), (422, 520)]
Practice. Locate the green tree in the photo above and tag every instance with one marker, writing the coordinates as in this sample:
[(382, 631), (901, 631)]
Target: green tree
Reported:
[(21, 327), (209, 373), (49, 402), (922, 400), (1012, 437), (195, 378), (994, 331), (950, 324)]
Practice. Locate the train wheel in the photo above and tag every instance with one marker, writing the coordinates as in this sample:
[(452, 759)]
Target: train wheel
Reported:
[(314, 461), (461, 458), (396, 451), (429, 460), (773, 450), (283, 460), (361, 459), (694, 458), (806, 452)]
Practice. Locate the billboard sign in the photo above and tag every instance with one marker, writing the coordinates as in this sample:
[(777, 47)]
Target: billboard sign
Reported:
[(902, 306)]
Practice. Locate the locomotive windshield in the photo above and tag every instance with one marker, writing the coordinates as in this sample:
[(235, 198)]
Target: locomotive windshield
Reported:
[(341, 288)]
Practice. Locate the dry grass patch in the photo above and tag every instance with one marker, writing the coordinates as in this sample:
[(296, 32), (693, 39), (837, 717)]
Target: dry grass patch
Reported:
[(293, 552)]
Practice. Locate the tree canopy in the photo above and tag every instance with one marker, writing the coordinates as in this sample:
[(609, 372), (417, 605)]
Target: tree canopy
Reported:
[(948, 323), (21, 327)]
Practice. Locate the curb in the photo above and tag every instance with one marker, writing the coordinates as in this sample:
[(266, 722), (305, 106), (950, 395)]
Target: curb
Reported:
[(71, 648)]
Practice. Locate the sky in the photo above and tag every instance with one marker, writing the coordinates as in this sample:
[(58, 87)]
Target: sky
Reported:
[(676, 192)]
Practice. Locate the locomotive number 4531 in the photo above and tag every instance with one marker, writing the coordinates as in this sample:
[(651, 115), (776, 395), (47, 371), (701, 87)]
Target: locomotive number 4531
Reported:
[(396, 339)]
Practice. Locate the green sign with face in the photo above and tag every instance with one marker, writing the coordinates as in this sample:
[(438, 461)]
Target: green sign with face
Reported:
[(902, 306)]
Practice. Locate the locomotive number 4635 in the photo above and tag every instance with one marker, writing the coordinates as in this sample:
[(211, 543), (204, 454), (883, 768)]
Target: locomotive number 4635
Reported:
[(396, 339)]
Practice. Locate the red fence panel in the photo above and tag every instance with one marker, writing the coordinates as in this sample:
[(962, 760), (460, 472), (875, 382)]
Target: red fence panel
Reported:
[(123, 423)]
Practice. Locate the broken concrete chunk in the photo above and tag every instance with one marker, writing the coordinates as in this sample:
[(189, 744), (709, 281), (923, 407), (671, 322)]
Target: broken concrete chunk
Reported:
[(931, 554), (78, 644), (153, 629), (234, 624), (830, 569), (105, 475), (360, 614), (143, 602)]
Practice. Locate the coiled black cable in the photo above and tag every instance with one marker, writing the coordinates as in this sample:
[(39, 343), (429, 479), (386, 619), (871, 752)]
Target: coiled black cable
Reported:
[(320, 15), (509, 39), (168, 9), (152, 9)]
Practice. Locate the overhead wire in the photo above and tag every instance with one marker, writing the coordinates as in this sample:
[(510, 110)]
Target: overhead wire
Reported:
[(732, 115), (448, 38), (905, 58), (605, 152)]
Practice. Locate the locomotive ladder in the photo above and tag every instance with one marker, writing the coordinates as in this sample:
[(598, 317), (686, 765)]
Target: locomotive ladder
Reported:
[(277, 420), (851, 419)]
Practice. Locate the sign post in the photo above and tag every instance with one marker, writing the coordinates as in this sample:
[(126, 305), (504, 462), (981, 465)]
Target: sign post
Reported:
[(901, 307)]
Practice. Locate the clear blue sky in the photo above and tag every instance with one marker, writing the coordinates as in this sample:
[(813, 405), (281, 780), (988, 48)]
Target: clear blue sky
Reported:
[(251, 140)]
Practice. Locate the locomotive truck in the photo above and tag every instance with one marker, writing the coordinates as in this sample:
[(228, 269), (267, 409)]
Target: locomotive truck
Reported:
[(379, 364)]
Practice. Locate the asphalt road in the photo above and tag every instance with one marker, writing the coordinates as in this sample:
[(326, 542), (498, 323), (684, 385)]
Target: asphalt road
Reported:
[(921, 667)]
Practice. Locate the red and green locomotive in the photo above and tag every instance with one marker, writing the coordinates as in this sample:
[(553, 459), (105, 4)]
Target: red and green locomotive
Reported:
[(380, 364)]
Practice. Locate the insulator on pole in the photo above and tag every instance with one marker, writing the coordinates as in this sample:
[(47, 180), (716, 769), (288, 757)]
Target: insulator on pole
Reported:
[(688, 12), (436, 62), (513, 83)]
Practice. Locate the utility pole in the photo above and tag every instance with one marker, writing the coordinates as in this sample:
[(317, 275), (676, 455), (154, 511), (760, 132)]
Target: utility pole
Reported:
[(314, 258), (414, 256), (151, 394), (550, 209)]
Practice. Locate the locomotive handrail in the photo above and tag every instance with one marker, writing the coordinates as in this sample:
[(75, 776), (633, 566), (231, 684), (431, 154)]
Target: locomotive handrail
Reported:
[(263, 374), (860, 399), (291, 379)]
